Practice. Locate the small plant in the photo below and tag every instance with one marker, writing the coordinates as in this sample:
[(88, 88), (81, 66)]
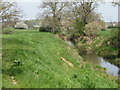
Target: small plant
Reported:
[(17, 62), (16, 68), (99, 67)]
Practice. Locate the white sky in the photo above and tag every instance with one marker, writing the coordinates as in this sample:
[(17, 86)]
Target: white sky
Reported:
[(30, 9)]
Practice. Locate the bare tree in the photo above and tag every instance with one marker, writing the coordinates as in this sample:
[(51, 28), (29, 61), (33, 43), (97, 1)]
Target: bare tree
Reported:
[(9, 13)]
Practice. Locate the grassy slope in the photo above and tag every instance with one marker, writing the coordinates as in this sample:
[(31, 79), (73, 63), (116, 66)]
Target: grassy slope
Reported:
[(106, 49), (98, 44), (34, 59), (103, 49)]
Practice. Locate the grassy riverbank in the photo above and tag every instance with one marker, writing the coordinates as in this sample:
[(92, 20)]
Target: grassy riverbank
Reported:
[(33, 59)]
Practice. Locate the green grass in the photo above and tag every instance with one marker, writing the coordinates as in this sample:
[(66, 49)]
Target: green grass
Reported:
[(105, 33), (32, 59), (106, 37), (101, 46)]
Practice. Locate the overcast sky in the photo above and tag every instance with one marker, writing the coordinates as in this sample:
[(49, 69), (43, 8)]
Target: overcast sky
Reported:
[(30, 9)]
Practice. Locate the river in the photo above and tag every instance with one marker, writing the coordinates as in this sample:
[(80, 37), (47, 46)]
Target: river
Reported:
[(111, 69), (92, 58)]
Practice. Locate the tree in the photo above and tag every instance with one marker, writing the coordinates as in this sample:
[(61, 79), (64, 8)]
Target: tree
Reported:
[(53, 14), (77, 31), (32, 23), (85, 10), (116, 3), (9, 13), (78, 27), (71, 17)]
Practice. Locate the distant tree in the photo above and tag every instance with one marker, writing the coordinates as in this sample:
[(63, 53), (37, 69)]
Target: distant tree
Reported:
[(32, 23), (115, 3), (9, 13)]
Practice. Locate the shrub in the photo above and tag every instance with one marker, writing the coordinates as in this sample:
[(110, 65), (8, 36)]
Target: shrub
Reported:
[(45, 29), (21, 25), (7, 31), (92, 28)]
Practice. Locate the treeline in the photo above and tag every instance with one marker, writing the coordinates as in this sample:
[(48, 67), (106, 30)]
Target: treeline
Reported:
[(71, 19)]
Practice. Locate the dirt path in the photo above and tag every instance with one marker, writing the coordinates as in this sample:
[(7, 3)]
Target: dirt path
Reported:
[(14, 82), (69, 63)]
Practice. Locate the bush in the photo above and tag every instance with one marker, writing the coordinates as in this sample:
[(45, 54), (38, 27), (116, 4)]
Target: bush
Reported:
[(92, 28), (45, 29), (21, 25), (7, 31)]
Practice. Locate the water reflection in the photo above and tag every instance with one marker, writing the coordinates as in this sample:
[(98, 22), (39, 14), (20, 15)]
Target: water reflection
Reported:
[(93, 58), (111, 69)]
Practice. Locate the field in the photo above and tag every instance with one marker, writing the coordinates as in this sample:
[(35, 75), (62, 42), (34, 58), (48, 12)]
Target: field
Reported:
[(33, 59)]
